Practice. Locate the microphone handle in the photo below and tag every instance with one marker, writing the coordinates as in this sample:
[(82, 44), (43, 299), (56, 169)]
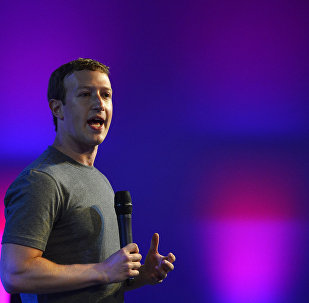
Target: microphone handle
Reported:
[(125, 234), (125, 229)]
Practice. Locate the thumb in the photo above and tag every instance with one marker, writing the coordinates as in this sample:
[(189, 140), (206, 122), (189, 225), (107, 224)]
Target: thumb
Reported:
[(154, 243)]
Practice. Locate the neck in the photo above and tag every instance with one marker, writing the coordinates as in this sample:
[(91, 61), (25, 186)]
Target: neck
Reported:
[(81, 154)]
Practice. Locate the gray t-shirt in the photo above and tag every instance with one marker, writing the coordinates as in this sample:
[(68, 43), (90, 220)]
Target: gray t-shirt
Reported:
[(65, 209)]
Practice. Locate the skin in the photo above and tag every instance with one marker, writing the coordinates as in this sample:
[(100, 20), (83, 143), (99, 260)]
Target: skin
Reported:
[(23, 269), (88, 93)]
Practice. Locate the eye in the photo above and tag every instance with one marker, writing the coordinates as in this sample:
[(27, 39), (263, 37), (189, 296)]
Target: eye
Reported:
[(84, 94), (106, 95)]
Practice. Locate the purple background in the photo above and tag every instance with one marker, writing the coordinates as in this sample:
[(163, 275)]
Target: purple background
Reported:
[(209, 134)]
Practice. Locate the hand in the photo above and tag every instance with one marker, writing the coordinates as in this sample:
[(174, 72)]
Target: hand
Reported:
[(156, 266), (122, 265)]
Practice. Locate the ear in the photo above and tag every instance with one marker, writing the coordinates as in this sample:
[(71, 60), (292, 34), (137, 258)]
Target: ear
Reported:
[(56, 106)]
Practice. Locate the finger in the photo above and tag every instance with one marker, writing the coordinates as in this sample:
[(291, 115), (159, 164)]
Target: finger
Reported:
[(135, 257), (160, 273), (133, 273), (167, 266), (135, 265), (171, 258), (156, 280), (154, 243), (131, 248)]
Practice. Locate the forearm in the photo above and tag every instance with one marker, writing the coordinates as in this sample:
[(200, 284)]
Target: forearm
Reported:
[(40, 275), (23, 269)]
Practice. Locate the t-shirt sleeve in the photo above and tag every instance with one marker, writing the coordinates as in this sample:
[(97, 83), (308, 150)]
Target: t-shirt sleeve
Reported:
[(31, 209)]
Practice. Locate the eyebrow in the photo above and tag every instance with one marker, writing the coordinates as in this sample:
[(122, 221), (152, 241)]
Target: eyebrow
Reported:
[(91, 87)]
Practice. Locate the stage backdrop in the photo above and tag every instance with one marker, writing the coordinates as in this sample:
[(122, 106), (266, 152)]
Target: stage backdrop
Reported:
[(209, 133)]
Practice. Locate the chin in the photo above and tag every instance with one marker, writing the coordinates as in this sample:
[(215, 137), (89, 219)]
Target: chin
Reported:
[(98, 141)]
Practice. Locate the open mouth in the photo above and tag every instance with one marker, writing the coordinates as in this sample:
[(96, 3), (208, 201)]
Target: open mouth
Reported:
[(95, 123)]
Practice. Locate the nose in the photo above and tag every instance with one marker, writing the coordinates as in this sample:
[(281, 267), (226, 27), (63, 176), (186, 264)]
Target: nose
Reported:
[(99, 103)]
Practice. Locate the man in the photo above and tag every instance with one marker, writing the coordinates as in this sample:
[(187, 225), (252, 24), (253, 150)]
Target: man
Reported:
[(61, 241)]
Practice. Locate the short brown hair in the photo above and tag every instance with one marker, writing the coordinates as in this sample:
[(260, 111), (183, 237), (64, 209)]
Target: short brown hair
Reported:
[(56, 89)]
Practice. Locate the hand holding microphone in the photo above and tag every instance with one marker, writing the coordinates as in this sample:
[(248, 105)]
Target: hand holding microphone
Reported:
[(123, 207), (122, 265)]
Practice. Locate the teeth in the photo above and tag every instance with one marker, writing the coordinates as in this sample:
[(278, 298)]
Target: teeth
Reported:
[(95, 121)]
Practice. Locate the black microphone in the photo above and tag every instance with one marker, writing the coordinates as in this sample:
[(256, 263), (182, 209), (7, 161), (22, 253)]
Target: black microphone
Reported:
[(123, 207)]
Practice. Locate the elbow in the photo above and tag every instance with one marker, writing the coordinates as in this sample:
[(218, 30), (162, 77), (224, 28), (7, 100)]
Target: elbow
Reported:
[(9, 284)]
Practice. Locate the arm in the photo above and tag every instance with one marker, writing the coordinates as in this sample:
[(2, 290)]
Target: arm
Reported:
[(23, 269), (156, 266)]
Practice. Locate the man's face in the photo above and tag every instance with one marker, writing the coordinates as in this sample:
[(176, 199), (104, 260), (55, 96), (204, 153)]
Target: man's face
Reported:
[(88, 109)]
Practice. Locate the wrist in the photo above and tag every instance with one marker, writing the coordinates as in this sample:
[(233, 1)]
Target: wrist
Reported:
[(143, 278), (99, 275)]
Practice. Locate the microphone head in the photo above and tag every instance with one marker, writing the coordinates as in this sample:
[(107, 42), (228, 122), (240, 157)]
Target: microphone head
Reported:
[(123, 203)]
